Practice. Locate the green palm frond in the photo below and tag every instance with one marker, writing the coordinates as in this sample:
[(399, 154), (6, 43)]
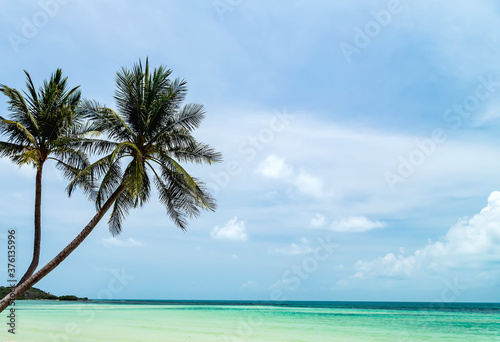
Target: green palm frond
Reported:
[(169, 196), (32, 97), (196, 153), (9, 149), (121, 208), (190, 117), (87, 179), (150, 129), (77, 159), (28, 157), (96, 146), (190, 187), (166, 104), (20, 109), (111, 180), (106, 120), (138, 182), (87, 184), (17, 133)]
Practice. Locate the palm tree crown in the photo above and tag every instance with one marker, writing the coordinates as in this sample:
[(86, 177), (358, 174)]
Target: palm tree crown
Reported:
[(151, 134), (42, 123)]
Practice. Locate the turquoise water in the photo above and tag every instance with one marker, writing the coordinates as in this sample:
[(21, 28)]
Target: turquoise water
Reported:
[(231, 321)]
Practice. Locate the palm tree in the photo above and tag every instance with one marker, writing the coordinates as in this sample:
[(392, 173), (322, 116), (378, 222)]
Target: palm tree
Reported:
[(40, 126), (151, 135)]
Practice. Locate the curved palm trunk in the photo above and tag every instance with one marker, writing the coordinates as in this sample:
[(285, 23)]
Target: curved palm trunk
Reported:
[(23, 287), (38, 225)]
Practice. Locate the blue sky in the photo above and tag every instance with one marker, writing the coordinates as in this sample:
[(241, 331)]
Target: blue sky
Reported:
[(360, 144)]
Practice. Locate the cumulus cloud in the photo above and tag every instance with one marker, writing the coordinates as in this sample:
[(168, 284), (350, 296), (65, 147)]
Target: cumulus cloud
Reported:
[(355, 224), (274, 167), (277, 168), (116, 242), (233, 230), (318, 221), (309, 184), (473, 244)]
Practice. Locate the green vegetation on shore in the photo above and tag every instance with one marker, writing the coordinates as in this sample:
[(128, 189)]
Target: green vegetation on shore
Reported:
[(35, 293)]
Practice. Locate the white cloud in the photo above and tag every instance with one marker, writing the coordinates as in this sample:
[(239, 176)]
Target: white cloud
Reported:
[(293, 249), (473, 243), (489, 117), (274, 167), (357, 185), (318, 221), (346, 282), (116, 242), (309, 184), (249, 283), (233, 230), (355, 224)]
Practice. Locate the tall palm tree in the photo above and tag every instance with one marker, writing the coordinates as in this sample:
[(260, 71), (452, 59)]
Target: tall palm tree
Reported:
[(39, 128), (151, 135)]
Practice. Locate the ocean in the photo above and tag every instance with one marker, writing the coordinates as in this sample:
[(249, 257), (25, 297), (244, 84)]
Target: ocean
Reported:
[(176, 321)]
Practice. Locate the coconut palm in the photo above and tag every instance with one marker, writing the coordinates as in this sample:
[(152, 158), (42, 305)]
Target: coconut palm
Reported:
[(151, 136), (40, 126)]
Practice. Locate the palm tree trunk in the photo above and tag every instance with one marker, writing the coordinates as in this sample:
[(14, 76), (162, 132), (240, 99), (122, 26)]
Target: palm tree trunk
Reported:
[(38, 225), (23, 287)]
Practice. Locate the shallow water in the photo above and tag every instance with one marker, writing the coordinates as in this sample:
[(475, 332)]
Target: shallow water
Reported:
[(227, 321)]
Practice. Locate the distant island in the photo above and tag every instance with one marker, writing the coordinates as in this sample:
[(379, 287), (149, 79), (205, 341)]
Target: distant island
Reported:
[(37, 294)]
